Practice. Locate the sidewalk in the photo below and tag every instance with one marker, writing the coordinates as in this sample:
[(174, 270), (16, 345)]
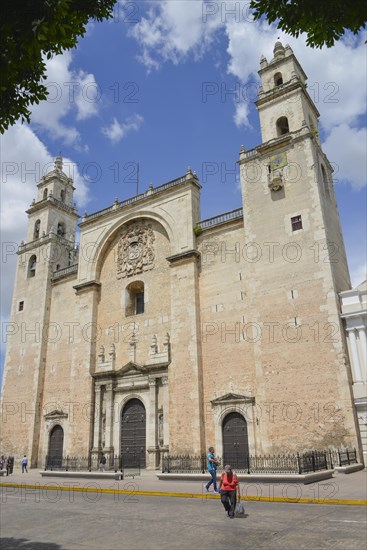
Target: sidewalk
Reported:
[(341, 489)]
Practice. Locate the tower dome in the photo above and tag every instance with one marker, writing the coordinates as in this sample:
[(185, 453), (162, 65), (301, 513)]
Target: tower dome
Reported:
[(279, 50)]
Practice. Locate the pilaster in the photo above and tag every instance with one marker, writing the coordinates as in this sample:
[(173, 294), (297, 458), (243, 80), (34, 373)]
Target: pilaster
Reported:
[(357, 373), (152, 440), (109, 407), (97, 420), (185, 377), (165, 400), (362, 343)]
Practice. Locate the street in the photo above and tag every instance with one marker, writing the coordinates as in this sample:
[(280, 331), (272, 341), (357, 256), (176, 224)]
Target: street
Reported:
[(52, 520)]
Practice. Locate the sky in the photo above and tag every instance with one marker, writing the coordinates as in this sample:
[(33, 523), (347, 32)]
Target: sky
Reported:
[(168, 84)]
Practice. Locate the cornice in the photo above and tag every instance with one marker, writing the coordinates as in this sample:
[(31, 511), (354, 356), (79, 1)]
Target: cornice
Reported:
[(86, 287), (183, 256)]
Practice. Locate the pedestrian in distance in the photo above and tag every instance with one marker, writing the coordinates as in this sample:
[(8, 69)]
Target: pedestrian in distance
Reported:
[(102, 463), (24, 464), (229, 487), (2, 462), (9, 465), (213, 463)]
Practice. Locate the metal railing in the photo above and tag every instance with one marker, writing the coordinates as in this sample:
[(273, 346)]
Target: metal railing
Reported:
[(255, 150), (222, 218), (128, 465), (298, 463), (62, 205), (24, 247), (184, 464), (148, 192), (342, 457), (65, 271), (58, 202), (312, 461)]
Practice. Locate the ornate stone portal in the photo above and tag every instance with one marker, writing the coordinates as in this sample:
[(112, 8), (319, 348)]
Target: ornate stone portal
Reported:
[(114, 390), (135, 250)]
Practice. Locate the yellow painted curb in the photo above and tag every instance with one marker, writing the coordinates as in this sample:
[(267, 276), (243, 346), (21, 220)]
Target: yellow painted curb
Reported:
[(339, 501)]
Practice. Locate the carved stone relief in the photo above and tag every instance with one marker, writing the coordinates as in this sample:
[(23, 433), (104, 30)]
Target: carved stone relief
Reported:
[(135, 250)]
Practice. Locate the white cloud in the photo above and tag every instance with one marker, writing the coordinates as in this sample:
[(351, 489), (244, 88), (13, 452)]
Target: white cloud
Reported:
[(88, 95), (346, 148), (116, 130), (24, 160), (241, 115), (247, 41), (171, 30), (69, 90)]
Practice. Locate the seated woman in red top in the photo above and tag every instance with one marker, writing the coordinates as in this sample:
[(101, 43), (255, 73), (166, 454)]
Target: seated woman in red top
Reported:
[(228, 487)]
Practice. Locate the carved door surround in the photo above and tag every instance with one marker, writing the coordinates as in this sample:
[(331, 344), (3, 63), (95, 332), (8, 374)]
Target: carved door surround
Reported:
[(234, 403), (139, 386)]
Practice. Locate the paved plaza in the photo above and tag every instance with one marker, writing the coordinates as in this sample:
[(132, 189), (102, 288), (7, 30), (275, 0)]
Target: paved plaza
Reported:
[(66, 521), (37, 515)]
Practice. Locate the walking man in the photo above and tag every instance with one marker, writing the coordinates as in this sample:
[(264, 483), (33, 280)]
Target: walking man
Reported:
[(228, 487), (212, 469), (102, 463), (24, 464)]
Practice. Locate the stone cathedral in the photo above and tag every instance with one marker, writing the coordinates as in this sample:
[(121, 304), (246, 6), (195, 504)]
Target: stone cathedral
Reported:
[(164, 333)]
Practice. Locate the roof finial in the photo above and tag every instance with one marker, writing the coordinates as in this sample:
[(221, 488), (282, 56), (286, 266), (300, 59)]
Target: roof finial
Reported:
[(278, 50), (58, 162)]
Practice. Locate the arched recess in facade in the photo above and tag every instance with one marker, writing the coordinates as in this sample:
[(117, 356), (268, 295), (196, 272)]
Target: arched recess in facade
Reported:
[(55, 446), (235, 440), (133, 433), (109, 237)]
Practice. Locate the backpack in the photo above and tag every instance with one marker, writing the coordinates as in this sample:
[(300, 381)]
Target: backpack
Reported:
[(103, 460)]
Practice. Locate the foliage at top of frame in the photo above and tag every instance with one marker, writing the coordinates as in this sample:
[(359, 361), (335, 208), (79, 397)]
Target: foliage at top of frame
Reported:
[(324, 22), (32, 31)]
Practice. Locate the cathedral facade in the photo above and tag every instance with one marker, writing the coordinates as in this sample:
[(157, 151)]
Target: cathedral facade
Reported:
[(161, 333)]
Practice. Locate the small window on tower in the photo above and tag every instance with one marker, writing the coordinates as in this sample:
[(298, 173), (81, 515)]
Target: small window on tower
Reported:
[(36, 232), (32, 266), (45, 192), (278, 79), (20, 306), (62, 195), (282, 126), (296, 222), (61, 229)]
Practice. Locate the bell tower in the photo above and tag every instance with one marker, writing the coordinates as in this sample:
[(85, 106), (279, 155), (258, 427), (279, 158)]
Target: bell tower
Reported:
[(53, 212), (289, 170), (50, 246), (284, 104), (295, 262)]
